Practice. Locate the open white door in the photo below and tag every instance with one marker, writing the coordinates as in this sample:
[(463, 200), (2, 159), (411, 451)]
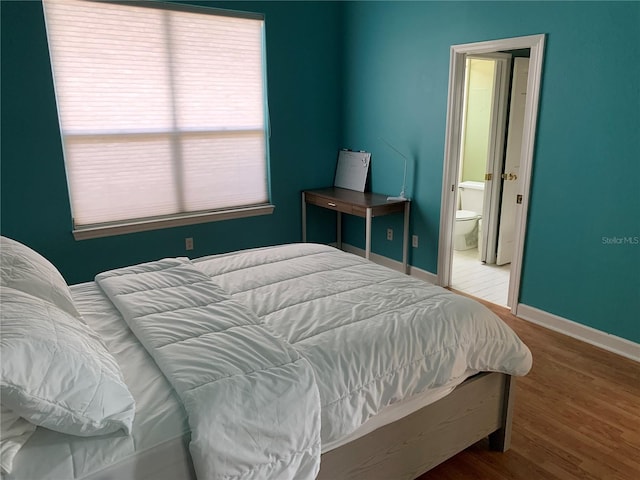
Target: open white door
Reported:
[(495, 151), (510, 177)]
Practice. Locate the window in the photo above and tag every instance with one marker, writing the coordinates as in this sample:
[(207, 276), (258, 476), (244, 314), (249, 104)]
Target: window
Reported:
[(162, 112)]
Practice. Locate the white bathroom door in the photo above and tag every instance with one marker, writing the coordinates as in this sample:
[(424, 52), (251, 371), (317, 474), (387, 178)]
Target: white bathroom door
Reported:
[(513, 154), (494, 153)]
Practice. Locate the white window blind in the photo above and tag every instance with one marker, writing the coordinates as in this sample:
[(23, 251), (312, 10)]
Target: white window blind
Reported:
[(162, 109)]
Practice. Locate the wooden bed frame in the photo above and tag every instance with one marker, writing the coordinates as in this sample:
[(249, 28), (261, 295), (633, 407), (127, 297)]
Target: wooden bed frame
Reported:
[(479, 407)]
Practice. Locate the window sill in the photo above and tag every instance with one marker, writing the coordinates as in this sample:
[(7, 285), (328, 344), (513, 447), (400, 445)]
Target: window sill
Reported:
[(121, 228)]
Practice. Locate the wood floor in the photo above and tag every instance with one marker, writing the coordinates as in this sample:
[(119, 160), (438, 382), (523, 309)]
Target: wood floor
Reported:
[(577, 416)]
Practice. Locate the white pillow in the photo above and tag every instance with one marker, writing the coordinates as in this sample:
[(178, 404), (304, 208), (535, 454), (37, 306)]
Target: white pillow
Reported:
[(56, 372), (24, 269), (14, 433)]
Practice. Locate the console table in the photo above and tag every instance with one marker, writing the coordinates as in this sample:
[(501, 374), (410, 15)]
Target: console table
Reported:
[(366, 205)]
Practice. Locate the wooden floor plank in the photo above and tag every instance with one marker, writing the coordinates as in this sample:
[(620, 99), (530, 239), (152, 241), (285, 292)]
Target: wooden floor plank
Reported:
[(577, 416)]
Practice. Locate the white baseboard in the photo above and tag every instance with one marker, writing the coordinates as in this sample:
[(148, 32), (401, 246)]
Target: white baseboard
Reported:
[(393, 264), (422, 274), (612, 343)]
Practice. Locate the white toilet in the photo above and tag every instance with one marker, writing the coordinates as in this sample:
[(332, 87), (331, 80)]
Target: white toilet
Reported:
[(466, 230)]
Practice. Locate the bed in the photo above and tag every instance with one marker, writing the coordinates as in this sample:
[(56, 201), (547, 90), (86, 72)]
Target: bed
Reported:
[(294, 361)]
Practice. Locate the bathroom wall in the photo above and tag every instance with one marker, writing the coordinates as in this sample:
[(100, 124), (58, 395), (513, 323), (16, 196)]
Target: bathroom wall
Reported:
[(478, 102)]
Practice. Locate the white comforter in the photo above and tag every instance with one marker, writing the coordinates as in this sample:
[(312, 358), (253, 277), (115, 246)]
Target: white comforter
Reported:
[(251, 399), (371, 337)]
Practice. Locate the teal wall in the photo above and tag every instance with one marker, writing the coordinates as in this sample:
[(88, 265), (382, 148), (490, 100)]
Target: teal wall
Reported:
[(587, 162), (304, 81), (347, 74)]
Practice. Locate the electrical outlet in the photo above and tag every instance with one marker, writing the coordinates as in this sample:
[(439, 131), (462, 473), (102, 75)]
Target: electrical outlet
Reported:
[(188, 243), (414, 241), (389, 233)]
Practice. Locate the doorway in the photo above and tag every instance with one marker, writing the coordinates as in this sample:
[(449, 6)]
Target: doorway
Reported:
[(488, 173), (504, 189)]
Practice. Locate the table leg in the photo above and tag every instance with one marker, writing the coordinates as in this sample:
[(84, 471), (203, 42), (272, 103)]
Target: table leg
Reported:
[(405, 244), (304, 218), (367, 251), (339, 229)]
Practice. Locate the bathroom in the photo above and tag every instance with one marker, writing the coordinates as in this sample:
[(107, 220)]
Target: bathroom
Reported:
[(473, 153), (474, 271)]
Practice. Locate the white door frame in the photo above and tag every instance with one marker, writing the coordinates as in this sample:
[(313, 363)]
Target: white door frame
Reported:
[(452, 150)]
